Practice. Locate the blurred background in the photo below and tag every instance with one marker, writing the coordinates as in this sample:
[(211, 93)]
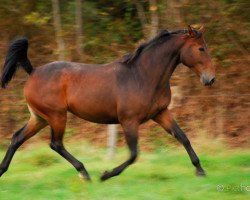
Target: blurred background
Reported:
[(101, 31)]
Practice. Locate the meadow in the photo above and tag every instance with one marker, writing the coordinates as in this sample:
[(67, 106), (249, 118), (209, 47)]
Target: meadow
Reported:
[(163, 173)]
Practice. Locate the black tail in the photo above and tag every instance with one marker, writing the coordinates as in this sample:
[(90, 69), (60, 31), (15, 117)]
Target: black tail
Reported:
[(16, 56)]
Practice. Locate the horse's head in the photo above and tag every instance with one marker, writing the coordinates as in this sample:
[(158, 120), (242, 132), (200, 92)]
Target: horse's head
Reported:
[(195, 55)]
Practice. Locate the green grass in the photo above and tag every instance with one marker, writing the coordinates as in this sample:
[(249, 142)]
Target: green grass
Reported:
[(166, 173)]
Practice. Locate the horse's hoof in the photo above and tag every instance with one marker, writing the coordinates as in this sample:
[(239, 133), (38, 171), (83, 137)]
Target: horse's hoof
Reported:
[(105, 175), (84, 177), (200, 173)]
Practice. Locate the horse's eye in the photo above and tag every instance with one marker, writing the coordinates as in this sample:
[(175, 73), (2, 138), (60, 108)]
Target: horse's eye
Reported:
[(201, 49)]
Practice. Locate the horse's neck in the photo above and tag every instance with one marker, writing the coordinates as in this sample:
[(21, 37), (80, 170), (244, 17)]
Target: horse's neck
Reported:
[(157, 64)]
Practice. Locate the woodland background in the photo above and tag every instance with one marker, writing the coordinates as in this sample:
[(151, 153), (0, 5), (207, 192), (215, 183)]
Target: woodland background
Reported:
[(103, 30)]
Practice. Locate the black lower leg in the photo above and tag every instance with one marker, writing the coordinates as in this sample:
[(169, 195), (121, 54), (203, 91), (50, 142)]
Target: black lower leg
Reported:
[(132, 140), (182, 138), (16, 141), (116, 171), (59, 148)]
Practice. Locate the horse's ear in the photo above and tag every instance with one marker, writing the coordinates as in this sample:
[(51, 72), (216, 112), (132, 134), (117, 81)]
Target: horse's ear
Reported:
[(191, 31), (202, 29)]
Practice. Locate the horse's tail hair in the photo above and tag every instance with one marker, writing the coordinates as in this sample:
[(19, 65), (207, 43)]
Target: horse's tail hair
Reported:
[(16, 56)]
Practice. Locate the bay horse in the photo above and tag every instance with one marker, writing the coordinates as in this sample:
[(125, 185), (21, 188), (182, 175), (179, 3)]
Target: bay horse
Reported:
[(129, 91)]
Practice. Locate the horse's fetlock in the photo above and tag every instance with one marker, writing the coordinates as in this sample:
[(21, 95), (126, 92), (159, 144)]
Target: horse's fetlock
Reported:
[(79, 166), (196, 162), (3, 169), (133, 158)]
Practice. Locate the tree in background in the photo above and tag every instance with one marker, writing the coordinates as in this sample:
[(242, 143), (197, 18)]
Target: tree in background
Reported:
[(58, 29), (173, 13), (141, 15), (79, 27), (153, 8), (141, 12)]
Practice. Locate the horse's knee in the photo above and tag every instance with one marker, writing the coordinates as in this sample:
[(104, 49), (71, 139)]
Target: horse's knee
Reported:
[(56, 146)]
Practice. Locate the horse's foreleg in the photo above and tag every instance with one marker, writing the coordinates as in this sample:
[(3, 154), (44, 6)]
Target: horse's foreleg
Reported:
[(131, 136), (168, 123), (57, 132), (30, 129)]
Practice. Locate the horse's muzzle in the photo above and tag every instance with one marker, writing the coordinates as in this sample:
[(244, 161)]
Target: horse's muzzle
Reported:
[(207, 80)]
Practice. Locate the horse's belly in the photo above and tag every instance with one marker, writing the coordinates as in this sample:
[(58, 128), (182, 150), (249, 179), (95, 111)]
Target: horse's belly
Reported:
[(97, 113), (101, 119), (93, 100)]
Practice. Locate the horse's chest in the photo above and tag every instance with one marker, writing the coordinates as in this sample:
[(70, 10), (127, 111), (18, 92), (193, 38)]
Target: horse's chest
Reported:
[(154, 107), (143, 106), (160, 104)]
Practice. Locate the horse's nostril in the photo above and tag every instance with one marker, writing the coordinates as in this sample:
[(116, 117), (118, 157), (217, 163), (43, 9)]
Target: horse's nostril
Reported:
[(212, 81), (206, 81)]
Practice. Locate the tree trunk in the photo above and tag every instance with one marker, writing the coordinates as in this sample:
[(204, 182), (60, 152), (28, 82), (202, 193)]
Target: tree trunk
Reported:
[(79, 28), (111, 142), (58, 29), (140, 12), (173, 12), (173, 19), (154, 17)]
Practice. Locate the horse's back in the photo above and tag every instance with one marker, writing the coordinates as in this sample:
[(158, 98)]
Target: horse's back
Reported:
[(59, 67)]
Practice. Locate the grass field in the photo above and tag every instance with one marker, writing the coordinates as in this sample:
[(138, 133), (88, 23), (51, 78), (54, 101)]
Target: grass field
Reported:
[(165, 173)]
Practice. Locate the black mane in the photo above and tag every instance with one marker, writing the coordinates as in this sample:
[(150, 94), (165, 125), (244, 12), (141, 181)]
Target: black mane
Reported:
[(158, 39)]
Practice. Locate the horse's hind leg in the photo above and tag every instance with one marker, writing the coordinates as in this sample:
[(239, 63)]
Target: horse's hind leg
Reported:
[(34, 125), (131, 136), (57, 131), (168, 123)]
